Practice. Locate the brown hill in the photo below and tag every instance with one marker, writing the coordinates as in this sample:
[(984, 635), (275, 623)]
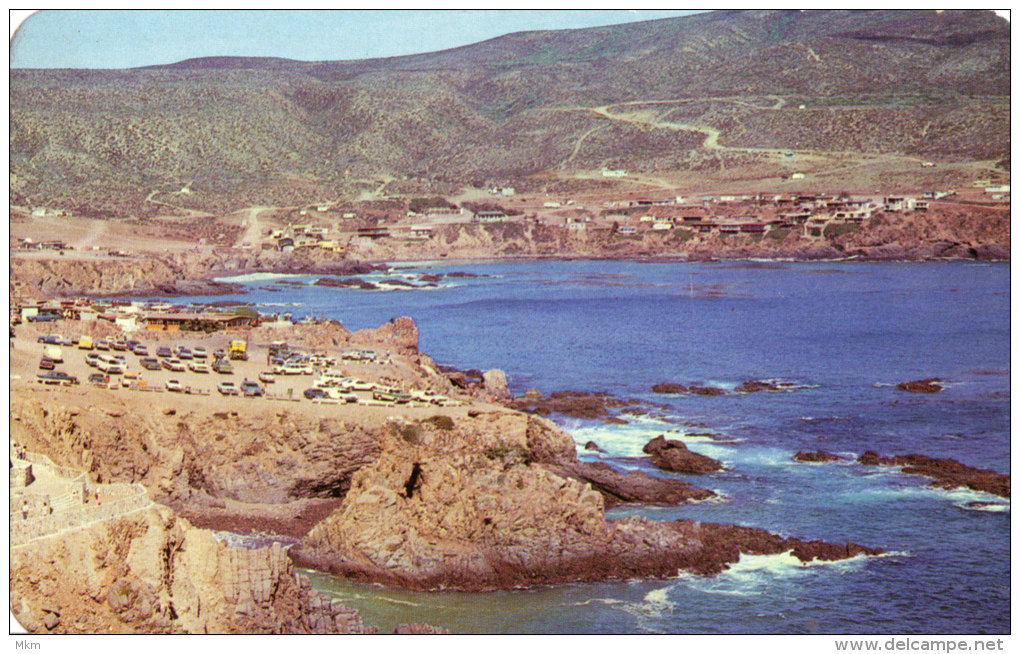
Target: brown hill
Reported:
[(701, 92)]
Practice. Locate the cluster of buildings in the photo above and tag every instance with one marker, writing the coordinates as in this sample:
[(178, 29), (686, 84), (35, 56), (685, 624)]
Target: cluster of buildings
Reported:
[(294, 237), (131, 316)]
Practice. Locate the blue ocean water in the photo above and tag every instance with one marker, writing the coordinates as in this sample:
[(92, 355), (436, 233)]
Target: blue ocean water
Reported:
[(843, 333)]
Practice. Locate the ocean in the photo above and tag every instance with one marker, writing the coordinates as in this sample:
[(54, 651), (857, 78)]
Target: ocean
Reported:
[(843, 333)]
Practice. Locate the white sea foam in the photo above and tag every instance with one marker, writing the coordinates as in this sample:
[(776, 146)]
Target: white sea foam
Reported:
[(990, 508), (958, 496), (257, 277)]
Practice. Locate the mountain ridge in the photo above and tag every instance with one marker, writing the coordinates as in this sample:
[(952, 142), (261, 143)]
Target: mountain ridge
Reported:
[(713, 96)]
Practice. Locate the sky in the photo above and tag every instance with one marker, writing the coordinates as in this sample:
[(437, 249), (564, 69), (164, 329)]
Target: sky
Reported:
[(125, 39)]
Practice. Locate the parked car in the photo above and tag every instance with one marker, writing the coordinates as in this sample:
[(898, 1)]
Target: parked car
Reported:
[(99, 378), (199, 368), (132, 344), (316, 393), (227, 388), (342, 395), (120, 346), (199, 353), (103, 344), (391, 395), (219, 354), (267, 378), (174, 386), (150, 363), (173, 365), (46, 363), (43, 317), (223, 367), (164, 352), (49, 339), (92, 359), (252, 389), (57, 377), (183, 353), (140, 350)]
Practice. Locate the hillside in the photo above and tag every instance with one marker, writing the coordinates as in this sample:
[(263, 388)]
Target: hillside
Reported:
[(717, 96)]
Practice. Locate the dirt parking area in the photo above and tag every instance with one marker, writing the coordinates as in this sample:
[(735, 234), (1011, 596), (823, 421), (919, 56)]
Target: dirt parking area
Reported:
[(200, 389)]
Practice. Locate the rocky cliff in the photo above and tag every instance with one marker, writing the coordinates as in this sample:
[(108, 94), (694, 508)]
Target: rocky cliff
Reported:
[(152, 572), (455, 507), (274, 463)]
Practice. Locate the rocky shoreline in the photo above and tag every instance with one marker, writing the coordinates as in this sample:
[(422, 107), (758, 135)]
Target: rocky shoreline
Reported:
[(196, 274), (477, 496)]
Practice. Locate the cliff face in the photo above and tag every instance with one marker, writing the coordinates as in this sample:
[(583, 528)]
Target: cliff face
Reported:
[(473, 508), (152, 572), (195, 455)]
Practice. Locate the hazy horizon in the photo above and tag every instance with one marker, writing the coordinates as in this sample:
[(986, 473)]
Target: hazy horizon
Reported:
[(112, 39)]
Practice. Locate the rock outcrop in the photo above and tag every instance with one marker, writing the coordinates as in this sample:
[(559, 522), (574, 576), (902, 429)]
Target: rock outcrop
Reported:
[(932, 385), (399, 333), (673, 455), (152, 572), (633, 487), (671, 388), (209, 465), (576, 404), (495, 384), (821, 456), (495, 505), (946, 473)]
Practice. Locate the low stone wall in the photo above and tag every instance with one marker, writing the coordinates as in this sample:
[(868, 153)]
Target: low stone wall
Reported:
[(71, 474), (75, 517)]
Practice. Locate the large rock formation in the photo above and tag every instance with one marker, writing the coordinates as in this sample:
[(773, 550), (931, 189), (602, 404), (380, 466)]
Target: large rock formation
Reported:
[(471, 508), (674, 456), (399, 333), (151, 572), (946, 473), (207, 464)]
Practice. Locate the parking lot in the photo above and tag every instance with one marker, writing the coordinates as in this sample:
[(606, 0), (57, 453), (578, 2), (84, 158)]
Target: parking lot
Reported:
[(27, 352)]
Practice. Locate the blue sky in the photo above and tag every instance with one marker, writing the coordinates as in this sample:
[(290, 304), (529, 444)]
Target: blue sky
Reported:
[(124, 39)]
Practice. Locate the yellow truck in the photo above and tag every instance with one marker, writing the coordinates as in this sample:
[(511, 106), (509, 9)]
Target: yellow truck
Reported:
[(238, 350), (85, 343)]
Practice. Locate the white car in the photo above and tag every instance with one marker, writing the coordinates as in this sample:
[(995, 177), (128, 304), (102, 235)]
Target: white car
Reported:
[(359, 385), (199, 353), (174, 386), (342, 395), (174, 365), (198, 367), (228, 388)]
